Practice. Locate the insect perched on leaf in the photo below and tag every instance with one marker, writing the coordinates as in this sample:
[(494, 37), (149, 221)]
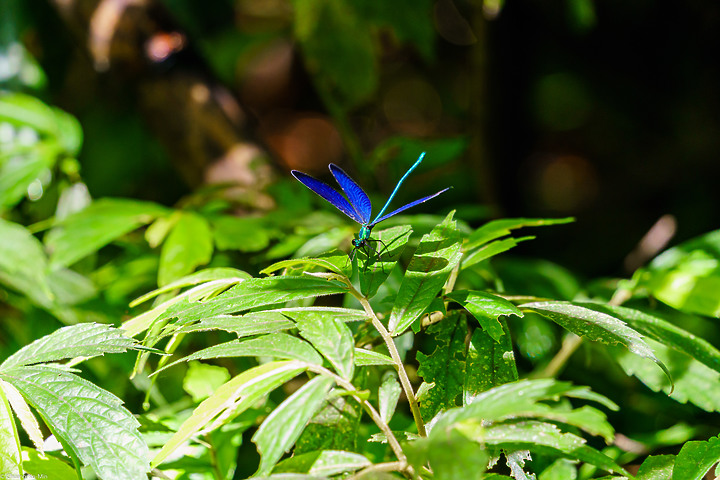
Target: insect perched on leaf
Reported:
[(358, 207)]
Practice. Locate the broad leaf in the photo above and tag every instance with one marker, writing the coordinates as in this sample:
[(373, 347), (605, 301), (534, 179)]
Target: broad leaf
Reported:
[(22, 412), (196, 278), (10, 457), (436, 256), (692, 381), (365, 358), (486, 308), (188, 246), (253, 323), (656, 467), (539, 437), (695, 459), (46, 467), (388, 396), (278, 345), (488, 363), (334, 427), (445, 366), (490, 250), (23, 264), (281, 429), (389, 244), (322, 462), (252, 293), (452, 456), (331, 337), (81, 340), (90, 229), (327, 264), (201, 380), (79, 412), (20, 169), (246, 234), (237, 395), (687, 277), (595, 326), (665, 332)]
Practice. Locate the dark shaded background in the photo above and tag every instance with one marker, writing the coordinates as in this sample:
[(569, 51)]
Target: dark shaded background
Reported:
[(606, 111)]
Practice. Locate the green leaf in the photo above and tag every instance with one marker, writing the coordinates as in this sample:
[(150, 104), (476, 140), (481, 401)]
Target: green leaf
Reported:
[(19, 171), (23, 264), (560, 469), (281, 429), (245, 234), (486, 308), (445, 366), (90, 229), (346, 68), (334, 427), (388, 396), (240, 393), (499, 228), (331, 337), (254, 323), (252, 293), (364, 358), (687, 277), (488, 363), (10, 457), (596, 326), (539, 437), (188, 246), (436, 256), (201, 380), (278, 345), (665, 332), (327, 264), (695, 459), (47, 466), (692, 381), (22, 412), (81, 340), (391, 243), (322, 462), (490, 250), (522, 398), (451, 456), (77, 411), (207, 275), (656, 467), (203, 291)]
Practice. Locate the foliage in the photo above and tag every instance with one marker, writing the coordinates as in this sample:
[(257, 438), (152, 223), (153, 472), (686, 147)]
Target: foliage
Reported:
[(256, 347)]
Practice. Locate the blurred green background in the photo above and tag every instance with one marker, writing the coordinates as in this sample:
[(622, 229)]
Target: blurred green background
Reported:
[(606, 111)]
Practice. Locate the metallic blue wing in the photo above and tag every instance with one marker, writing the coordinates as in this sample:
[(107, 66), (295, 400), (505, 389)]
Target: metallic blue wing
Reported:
[(409, 205), (328, 193), (358, 198)]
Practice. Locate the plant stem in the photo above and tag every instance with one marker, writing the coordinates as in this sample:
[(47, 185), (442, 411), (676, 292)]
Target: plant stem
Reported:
[(378, 467), (392, 440), (395, 355), (569, 345)]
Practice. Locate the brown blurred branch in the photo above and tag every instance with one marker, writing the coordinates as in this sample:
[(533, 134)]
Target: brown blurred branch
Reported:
[(203, 126)]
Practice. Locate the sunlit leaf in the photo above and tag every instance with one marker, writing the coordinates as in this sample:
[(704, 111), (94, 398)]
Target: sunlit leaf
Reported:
[(82, 340), (238, 394), (47, 466), (277, 345), (281, 429), (333, 339), (499, 228), (656, 467), (22, 411), (436, 256), (23, 264), (90, 229), (486, 308), (375, 270), (10, 458), (188, 246), (595, 326), (201, 380), (696, 459), (365, 358), (92, 421), (388, 396)]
